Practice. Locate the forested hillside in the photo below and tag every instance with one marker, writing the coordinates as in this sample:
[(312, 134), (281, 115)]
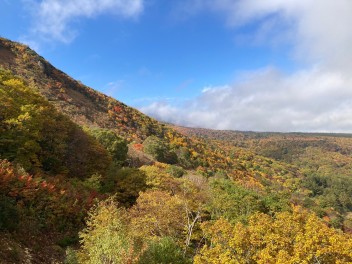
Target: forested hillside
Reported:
[(86, 179)]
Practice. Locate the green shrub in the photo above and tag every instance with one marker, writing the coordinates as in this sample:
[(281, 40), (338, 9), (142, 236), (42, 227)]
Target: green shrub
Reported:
[(164, 251), (159, 150), (71, 256), (9, 215), (175, 171), (68, 241), (115, 145), (125, 183)]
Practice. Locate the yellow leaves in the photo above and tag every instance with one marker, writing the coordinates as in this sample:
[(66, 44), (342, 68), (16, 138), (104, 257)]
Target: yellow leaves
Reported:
[(160, 165), (157, 178), (175, 140), (14, 83), (227, 242), (296, 237), (194, 154), (152, 173), (172, 211), (157, 213), (317, 240), (106, 238)]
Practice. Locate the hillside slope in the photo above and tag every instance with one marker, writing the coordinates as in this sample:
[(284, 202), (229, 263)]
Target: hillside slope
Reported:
[(82, 104), (87, 107), (323, 161)]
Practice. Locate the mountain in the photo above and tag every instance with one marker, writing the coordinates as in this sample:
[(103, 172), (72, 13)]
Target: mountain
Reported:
[(87, 107), (85, 178), (82, 104)]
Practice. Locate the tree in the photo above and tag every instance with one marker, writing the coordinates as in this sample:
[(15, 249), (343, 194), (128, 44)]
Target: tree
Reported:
[(159, 150), (175, 171), (115, 145), (157, 214), (231, 201), (165, 251), (9, 215), (106, 238), (194, 195), (158, 178), (175, 212), (126, 184), (297, 237)]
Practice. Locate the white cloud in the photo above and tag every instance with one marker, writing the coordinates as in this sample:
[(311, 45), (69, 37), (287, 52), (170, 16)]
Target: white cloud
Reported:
[(269, 101), (53, 19), (319, 30), (317, 97)]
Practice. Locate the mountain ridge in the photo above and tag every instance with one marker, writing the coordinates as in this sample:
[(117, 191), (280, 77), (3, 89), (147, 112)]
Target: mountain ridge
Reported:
[(83, 104)]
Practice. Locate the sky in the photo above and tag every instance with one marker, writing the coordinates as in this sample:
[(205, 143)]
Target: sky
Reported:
[(273, 65)]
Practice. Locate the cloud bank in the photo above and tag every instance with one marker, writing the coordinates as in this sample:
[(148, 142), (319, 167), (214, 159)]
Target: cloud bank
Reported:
[(268, 100), (317, 97), (54, 19)]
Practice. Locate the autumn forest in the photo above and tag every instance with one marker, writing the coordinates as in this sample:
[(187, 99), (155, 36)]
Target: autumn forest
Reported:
[(85, 178)]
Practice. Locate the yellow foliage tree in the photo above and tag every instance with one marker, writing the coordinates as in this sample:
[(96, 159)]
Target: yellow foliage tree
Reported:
[(157, 214), (297, 237), (158, 178), (106, 238)]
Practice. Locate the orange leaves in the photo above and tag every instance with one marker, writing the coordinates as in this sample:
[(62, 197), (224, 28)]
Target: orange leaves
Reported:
[(138, 146), (117, 109)]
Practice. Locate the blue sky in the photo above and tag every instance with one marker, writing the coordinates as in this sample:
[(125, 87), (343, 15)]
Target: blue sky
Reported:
[(227, 64)]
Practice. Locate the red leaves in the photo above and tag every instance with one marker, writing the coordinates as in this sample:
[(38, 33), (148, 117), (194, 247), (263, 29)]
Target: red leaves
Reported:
[(57, 199), (117, 109)]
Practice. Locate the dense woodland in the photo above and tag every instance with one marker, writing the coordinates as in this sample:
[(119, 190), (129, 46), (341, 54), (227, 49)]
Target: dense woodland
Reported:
[(87, 179)]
